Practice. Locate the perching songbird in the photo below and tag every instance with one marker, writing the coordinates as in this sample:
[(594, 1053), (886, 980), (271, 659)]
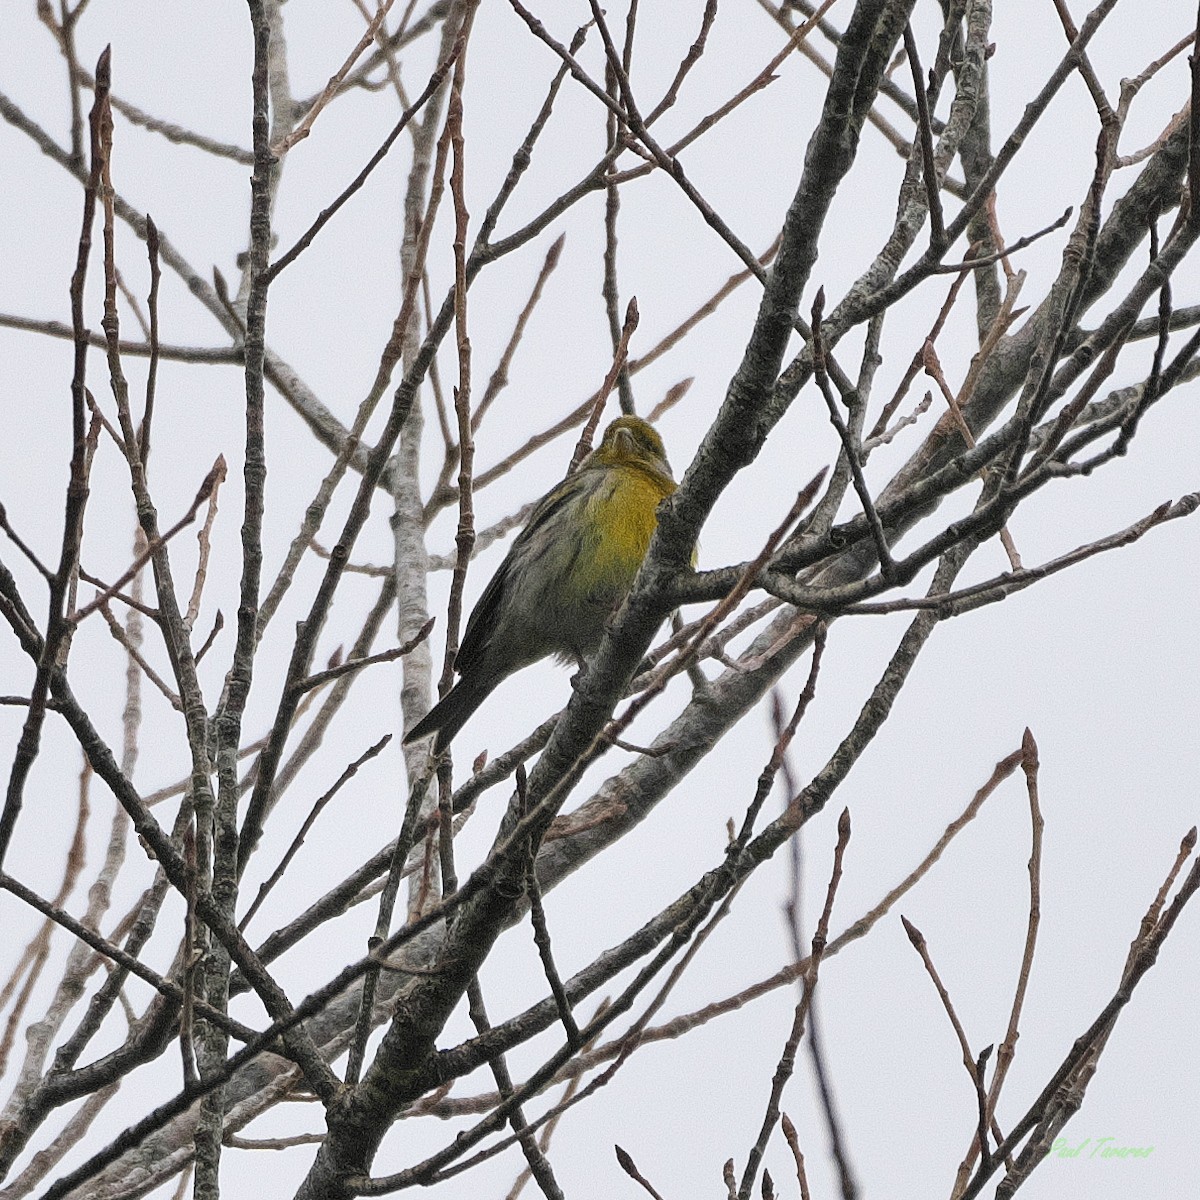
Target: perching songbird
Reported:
[(566, 573)]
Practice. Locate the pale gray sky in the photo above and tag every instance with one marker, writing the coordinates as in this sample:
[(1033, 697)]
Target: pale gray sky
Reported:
[(1100, 662)]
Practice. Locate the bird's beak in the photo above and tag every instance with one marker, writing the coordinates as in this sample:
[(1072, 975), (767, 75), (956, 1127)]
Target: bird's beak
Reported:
[(625, 442)]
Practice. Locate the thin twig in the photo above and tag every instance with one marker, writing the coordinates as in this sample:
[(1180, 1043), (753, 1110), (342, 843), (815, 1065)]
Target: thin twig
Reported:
[(304, 128), (155, 545), (793, 1141), (352, 665), (109, 950), (435, 82), (937, 226), (620, 354), (850, 447), (541, 931), (316, 810), (204, 537), (787, 1060), (917, 938), (933, 368), (630, 1169)]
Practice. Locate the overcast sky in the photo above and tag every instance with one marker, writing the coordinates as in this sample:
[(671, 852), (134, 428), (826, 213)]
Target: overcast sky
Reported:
[(1100, 662)]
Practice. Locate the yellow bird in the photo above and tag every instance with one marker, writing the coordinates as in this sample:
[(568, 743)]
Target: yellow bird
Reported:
[(565, 574)]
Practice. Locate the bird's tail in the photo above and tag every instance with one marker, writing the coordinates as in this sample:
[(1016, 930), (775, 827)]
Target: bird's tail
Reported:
[(450, 713)]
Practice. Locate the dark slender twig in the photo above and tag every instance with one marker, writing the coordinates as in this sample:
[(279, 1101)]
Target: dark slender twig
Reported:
[(152, 340), (316, 106), (937, 226), (351, 665), (620, 354), (986, 260), (838, 1151), (1007, 1051), (783, 740), (1002, 586), (20, 544), (793, 1141), (125, 598), (499, 377), (690, 59), (122, 958), (1103, 109), (225, 355), (316, 810), (191, 959), (1153, 384), (379, 943), (436, 79), (464, 537), (970, 1061), (539, 1164), (153, 547), (1194, 128), (1062, 307), (630, 1169), (217, 626), (787, 1060), (1071, 411), (914, 367), (850, 448), (57, 627), (541, 931), (981, 1132), (610, 291)]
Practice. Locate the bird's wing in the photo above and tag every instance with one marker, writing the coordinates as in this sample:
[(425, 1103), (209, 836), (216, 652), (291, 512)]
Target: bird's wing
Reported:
[(481, 624)]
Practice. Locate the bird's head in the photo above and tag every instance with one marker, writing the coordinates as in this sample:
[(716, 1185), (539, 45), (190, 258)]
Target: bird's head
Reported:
[(630, 441)]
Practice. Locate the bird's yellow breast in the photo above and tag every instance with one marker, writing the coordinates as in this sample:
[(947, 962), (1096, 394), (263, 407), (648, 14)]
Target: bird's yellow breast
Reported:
[(623, 514)]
